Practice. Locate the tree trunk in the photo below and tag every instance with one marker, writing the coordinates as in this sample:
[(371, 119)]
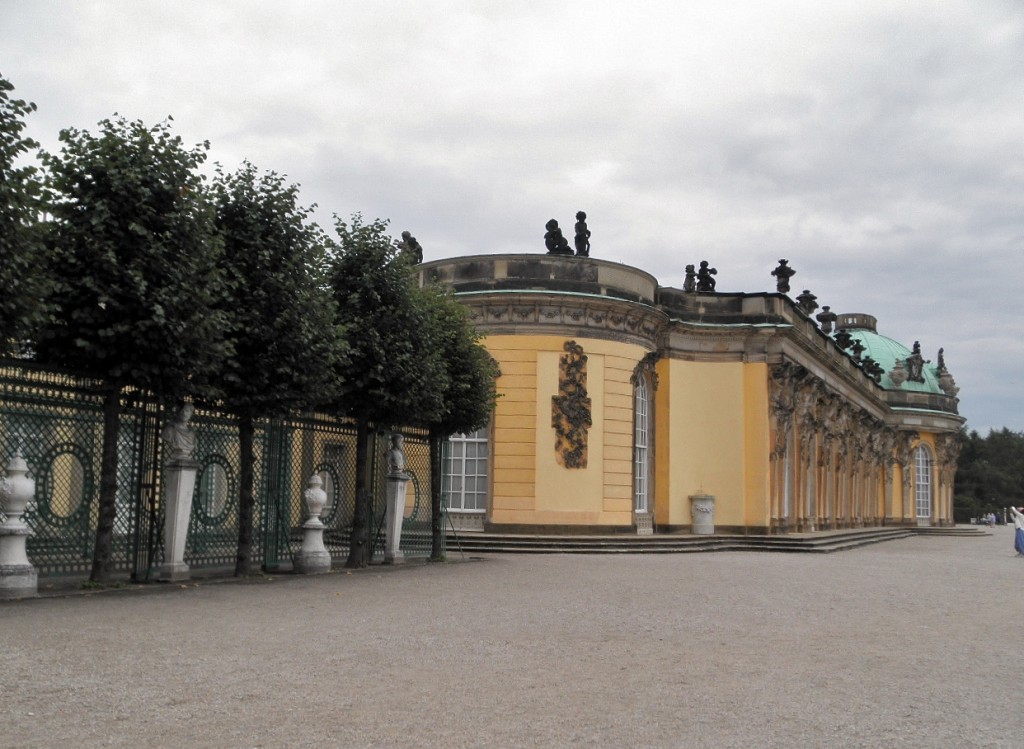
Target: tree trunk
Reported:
[(359, 542), (436, 516), (246, 500), (107, 510)]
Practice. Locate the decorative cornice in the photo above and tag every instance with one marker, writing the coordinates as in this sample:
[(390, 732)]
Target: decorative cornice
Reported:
[(562, 314)]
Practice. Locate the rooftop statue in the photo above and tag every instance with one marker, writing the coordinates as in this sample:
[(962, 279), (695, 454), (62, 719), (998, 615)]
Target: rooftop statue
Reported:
[(705, 280), (554, 241), (582, 235), (782, 275), (410, 248), (915, 364), (690, 282)]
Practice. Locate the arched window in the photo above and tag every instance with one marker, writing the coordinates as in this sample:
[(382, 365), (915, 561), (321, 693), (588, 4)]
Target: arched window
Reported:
[(464, 479), (923, 463), (641, 446)]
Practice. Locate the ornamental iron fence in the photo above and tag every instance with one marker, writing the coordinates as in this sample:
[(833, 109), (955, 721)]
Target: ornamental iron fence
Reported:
[(56, 420)]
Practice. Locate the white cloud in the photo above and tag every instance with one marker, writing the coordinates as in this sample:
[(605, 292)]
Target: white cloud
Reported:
[(875, 145)]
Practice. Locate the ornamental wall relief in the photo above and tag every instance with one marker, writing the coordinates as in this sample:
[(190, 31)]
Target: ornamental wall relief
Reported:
[(571, 409)]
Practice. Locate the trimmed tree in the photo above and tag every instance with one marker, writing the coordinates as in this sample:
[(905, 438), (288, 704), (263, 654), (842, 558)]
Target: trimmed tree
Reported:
[(469, 392), (135, 255), (392, 375), (286, 342), (24, 274)]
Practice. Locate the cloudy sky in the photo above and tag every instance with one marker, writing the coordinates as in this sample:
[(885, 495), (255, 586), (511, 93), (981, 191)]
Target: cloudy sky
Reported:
[(877, 145)]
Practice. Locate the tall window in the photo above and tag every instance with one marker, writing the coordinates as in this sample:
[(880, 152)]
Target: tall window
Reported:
[(923, 481), (464, 481), (641, 445)]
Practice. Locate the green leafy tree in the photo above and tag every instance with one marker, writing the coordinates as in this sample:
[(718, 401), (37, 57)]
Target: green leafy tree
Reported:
[(392, 376), (24, 273), (286, 342), (135, 255), (990, 473), (468, 393)]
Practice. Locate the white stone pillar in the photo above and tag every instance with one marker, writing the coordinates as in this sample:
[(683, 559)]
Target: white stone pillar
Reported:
[(394, 513), (179, 484), (18, 578), (313, 558)]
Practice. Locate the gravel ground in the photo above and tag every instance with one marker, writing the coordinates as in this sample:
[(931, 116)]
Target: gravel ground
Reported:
[(908, 643)]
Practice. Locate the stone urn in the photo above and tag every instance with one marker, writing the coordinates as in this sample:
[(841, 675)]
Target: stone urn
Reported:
[(315, 498), (16, 491), (18, 577), (313, 558)]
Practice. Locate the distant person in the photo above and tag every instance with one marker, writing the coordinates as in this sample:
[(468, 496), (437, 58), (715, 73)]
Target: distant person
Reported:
[(1018, 533)]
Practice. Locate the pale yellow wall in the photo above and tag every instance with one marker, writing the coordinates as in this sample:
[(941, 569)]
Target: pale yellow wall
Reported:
[(718, 440), (529, 485), (757, 445), (662, 442)]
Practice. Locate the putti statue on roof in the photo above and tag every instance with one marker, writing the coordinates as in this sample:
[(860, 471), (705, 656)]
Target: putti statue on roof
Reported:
[(705, 277), (690, 282), (554, 241), (410, 248), (582, 235)]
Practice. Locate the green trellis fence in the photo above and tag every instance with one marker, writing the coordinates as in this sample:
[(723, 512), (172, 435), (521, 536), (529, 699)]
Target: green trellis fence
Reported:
[(56, 420)]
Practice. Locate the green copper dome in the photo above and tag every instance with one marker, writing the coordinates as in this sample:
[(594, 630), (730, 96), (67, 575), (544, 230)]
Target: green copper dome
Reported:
[(887, 353)]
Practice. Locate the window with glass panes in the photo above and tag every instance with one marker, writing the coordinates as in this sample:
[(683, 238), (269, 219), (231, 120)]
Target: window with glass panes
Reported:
[(641, 446), (923, 481), (464, 480)]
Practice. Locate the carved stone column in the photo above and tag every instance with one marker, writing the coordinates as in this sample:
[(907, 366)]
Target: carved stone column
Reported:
[(948, 447), (782, 404)]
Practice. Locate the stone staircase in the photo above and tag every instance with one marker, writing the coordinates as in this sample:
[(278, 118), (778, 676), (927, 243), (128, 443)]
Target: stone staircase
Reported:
[(823, 542)]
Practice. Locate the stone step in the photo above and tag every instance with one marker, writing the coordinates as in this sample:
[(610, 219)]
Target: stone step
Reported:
[(823, 542)]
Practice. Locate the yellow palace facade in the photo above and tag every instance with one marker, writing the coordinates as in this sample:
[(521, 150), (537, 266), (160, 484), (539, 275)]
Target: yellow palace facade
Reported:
[(625, 406)]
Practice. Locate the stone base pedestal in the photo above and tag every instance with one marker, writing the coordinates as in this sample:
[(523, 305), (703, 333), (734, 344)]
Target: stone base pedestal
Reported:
[(18, 578), (173, 572), (18, 581), (180, 480), (394, 513), (313, 558), (644, 523)]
